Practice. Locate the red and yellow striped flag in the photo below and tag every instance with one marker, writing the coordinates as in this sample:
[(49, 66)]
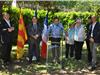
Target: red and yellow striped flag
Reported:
[(22, 37)]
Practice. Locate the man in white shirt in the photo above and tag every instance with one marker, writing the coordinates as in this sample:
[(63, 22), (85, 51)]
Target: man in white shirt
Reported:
[(94, 37)]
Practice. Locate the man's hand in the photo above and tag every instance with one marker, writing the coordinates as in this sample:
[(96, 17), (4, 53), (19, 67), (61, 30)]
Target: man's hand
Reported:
[(66, 38), (91, 40), (10, 29), (37, 35)]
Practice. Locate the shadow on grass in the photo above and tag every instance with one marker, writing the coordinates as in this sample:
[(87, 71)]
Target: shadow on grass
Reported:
[(71, 66)]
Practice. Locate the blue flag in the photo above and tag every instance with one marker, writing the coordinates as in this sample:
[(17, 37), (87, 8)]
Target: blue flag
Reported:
[(44, 38)]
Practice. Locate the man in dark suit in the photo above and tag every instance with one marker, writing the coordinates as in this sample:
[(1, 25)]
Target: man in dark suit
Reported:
[(6, 38), (94, 37), (34, 32), (88, 41)]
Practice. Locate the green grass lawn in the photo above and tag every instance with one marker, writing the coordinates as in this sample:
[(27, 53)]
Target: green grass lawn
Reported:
[(71, 66)]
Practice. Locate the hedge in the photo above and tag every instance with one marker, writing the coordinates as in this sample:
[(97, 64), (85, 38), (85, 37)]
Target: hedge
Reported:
[(65, 17)]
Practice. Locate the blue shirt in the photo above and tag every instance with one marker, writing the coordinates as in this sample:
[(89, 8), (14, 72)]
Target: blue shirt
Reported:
[(56, 31)]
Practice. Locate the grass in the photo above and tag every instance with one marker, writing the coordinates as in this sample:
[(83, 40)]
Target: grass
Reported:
[(71, 66)]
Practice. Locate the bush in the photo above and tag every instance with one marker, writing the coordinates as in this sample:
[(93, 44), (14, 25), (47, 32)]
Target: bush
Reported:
[(65, 17)]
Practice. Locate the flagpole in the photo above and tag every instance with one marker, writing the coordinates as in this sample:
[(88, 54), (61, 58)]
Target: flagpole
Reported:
[(44, 51), (47, 57), (47, 49), (62, 53)]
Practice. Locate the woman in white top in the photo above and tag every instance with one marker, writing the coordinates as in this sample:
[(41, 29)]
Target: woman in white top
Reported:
[(79, 38)]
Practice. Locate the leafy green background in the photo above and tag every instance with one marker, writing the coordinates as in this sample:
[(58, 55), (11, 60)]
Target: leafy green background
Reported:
[(66, 18)]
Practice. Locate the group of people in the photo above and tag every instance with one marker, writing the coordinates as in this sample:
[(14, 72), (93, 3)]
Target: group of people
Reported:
[(77, 34), (74, 38)]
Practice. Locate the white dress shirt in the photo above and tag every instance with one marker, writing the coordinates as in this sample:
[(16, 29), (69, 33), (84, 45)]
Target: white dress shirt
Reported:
[(93, 25)]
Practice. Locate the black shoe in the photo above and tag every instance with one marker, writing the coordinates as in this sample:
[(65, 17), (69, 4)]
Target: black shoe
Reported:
[(97, 63), (92, 68), (5, 62), (58, 61), (89, 63), (53, 61), (30, 61), (66, 57), (10, 62), (38, 60)]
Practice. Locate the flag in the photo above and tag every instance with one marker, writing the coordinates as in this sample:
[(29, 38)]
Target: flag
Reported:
[(44, 38), (14, 3), (22, 37)]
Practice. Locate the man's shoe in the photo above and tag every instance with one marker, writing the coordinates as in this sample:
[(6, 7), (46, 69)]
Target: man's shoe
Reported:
[(30, 61), (58, 61), (92, 68), (54, 61), (89, 64)]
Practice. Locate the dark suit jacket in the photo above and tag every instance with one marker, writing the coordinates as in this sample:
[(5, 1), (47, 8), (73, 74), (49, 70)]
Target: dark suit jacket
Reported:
[(96, 32), (87, 30), (31, 31), (6, 36)]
